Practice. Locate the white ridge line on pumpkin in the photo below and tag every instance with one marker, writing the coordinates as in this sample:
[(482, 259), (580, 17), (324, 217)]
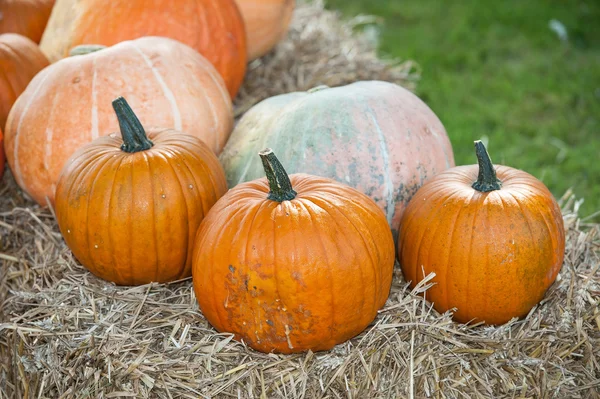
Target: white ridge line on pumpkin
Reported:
[(389, 184), (166, 91)]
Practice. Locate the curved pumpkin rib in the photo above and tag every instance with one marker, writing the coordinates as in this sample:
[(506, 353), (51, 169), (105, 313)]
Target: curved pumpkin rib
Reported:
[(352, 248), (470, 260), (94, 101), (96, 173), (166, 90), (17, 165), (111, 239), (421, 253), (385, 161), (328, 266)]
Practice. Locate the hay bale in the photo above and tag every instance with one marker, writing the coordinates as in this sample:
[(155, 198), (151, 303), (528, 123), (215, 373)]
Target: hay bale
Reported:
[(65, 333)]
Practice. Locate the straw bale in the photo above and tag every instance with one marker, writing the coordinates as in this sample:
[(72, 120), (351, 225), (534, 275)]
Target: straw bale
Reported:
[(67, 334)]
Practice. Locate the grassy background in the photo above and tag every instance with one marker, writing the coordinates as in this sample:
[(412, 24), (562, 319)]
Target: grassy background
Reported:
[(498, 71)]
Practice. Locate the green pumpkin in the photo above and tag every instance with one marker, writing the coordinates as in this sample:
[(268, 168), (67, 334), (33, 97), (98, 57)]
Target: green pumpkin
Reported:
[(374, 136)]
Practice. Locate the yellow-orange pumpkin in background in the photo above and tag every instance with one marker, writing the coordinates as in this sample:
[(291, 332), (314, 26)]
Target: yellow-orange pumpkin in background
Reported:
[(20, 60), (494, 237), (25, 17), (214, 28), (129, 207), (267, 22), (292, 263), (68, 105)]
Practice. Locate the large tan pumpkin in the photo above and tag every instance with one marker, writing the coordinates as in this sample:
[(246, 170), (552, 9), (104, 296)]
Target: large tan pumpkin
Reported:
[(214, 28), (267, 22), (20, 60), (68, 104), (25, 17)]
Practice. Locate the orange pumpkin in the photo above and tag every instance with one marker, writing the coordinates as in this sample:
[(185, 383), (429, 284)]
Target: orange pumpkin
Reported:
[(267, 22), (214, 28), (129, 207), (25, 17), (494, 238), (20, 60), (65, 106), (292, 263)]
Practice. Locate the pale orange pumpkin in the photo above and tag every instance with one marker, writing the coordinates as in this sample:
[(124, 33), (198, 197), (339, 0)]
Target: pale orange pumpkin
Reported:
[(129, 207), (25, 17), (214, 28), (65, 106), (493, 236), (20, 60), (267, 22)]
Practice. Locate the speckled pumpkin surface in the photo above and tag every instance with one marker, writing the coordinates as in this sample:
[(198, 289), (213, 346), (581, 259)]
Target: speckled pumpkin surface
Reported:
[(374, 136), (494, 251)]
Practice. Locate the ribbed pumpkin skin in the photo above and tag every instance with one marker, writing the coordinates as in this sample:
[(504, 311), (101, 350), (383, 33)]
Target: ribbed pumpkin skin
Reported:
[(131, 218), (375, 136), (302, 274), (25, 17), (68, 105), (20, 60), (494, 254), (214, 28), (267, 22)]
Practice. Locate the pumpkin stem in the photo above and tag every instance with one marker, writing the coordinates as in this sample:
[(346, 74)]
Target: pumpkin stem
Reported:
[(279, 181), (134, 135), (487, 180)]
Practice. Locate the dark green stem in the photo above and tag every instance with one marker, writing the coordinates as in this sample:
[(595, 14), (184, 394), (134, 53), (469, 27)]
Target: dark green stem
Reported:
[(487, 180), (279, 181), (132, 131)]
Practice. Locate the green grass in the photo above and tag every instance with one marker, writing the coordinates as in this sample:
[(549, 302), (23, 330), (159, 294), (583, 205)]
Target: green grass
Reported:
[(495, 69)]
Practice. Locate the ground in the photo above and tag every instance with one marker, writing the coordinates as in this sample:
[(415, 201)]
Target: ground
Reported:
[(499, 71)]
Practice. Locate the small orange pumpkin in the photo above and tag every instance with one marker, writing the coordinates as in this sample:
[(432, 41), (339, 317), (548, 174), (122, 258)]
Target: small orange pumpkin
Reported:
[(214, 28), (293, 263), (129, 207), (267, 22), (493, 236), (20, 60), (25, 17), (67, 104)]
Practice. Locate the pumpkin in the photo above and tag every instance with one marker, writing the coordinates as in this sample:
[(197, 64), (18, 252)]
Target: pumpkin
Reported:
[(493, 236), (25, 17), (214, 28), (20, 61), (375, 136), (267, 21), (129, 207), (292, 263), (64, 107)]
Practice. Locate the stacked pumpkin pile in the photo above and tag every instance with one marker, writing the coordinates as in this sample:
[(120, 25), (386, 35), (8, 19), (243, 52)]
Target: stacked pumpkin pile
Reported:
[(129, 135)]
